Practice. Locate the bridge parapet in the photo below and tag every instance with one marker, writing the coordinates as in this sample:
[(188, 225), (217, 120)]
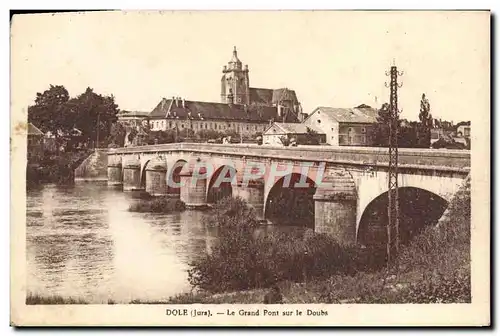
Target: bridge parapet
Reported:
[(409, 158)]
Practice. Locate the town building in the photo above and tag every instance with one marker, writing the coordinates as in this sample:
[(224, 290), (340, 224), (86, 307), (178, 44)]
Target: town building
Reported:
[(277, 134), (35, 141), (344, 126), (463, 130), (242, 109), (133, 118)]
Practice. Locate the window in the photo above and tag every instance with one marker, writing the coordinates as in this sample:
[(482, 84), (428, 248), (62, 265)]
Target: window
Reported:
[(247, 127), (363, 130), (319, 121), (169, 124), (182, 125)]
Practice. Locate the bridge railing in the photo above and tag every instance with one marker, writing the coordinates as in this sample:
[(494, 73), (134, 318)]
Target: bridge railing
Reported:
[(458, 160)]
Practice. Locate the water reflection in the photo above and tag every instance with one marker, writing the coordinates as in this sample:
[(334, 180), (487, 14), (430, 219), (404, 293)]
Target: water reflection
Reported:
[(82, 242)]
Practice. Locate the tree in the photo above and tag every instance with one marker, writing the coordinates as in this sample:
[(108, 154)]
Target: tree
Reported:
[(50, 112), (161, 137), (94, 114), (117, 135), (381, 127), (424, 134), (311, 137)]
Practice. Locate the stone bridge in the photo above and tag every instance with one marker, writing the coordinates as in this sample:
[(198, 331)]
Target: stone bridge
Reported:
[(341, 191)]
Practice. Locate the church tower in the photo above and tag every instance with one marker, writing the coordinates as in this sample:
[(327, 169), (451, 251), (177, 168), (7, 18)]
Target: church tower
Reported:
[(235, 82)]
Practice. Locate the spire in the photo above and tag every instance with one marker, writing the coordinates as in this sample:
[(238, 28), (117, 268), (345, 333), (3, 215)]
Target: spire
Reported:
[(235, 59)]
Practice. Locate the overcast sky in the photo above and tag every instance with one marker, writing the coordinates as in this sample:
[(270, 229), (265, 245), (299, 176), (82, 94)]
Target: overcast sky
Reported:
[(334, 59)]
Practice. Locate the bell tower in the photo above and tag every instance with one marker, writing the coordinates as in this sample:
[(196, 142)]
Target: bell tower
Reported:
[(235, 82)]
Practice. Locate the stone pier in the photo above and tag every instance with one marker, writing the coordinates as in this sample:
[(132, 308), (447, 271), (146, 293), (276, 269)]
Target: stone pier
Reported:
[(115, 174), (253, 194), (193, 185), (335, 208), (132, 175), (156, 178)]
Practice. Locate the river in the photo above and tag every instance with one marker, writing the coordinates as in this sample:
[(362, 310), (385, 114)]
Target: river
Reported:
[(82, 242)]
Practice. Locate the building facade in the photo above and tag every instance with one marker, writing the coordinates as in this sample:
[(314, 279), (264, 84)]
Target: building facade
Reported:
[(278, 134), (244, 110), (463, 131), (35, 141), (133, 118), (179, 114), (344, 126)]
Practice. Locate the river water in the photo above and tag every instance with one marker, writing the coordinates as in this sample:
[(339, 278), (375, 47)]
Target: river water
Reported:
[(83, 243)]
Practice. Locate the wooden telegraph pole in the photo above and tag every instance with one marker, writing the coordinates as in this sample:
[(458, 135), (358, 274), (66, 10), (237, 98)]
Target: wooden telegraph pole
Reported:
[(393, 204)]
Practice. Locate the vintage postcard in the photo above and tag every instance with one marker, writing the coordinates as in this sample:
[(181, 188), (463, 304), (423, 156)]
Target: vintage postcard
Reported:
[(234, 168)]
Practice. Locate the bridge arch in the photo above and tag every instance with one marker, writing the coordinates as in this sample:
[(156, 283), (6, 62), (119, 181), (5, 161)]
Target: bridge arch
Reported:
[(221, 182), (294, 193), (173, 177), (418, 209), (143, 173)]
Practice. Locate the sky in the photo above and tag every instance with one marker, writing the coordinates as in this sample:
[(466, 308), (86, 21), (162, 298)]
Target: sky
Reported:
[(329, 58)]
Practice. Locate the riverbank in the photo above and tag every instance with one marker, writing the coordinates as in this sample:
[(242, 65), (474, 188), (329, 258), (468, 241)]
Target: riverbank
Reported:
[(52, 167), (433, 268)]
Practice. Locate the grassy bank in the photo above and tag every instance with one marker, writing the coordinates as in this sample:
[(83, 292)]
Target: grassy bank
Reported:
[(158, 205), (433, 268), (37, 299)]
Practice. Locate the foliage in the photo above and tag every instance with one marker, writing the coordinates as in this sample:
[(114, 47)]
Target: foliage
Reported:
[(117, 135), (411, 135), (50, 112), (311, 137), (433, 268), (285, 140), (207, 134), (89, 112), (158, 205), (161, 137), (35, 299), (54, 167), (425, 125), (243, 258), (94, 114), (449, 144)]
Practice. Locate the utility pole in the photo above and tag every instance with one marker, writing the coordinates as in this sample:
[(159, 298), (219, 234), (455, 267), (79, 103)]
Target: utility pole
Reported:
[(393, 204)]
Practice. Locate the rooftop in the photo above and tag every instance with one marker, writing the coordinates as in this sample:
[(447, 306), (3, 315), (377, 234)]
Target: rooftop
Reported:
[(196, 110), (348, 115), (33, 130), (293, 128)]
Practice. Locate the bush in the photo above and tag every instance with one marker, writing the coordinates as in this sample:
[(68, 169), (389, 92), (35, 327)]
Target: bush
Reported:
[(54, 167), (158, 205), (243, 259)]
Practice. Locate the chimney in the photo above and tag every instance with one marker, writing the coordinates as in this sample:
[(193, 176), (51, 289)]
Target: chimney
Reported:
[(183, 103)]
